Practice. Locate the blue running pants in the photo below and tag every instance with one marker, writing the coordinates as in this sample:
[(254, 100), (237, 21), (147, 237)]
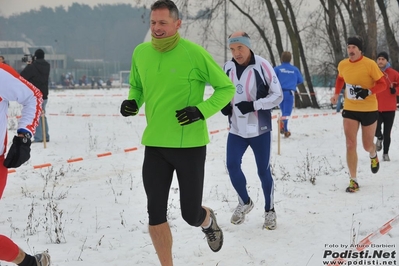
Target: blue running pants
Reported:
[(261, 147)]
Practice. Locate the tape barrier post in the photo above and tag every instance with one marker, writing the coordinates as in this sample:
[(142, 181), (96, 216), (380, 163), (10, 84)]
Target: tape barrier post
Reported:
[(44, 129), (278, 134)]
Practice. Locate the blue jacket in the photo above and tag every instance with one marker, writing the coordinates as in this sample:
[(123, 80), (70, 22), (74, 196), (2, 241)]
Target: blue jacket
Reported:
[(289, 76)]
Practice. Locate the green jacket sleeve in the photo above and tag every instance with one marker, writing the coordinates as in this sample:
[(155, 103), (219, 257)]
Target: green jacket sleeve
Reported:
[(136, 87), (213, 74)]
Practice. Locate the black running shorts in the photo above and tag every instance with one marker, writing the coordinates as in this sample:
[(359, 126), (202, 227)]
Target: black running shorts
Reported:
[(365, 118)]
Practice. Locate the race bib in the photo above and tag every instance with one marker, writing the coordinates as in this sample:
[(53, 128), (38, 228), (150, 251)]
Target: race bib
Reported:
[(251, 128), (350, 92)]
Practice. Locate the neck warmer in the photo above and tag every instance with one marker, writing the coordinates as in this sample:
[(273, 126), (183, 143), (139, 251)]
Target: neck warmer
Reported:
[(385, 68), (165, 44)]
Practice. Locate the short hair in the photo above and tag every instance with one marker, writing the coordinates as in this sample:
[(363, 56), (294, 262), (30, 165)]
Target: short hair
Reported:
[(170, 5), (286, 57), (2, 57)]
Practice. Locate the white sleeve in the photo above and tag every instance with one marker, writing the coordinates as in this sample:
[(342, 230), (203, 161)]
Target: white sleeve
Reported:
[(13, 87), (275, 96)]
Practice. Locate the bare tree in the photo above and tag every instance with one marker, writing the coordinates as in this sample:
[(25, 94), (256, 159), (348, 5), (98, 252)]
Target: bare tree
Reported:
[(355, 12), (333, 22), (330, 11), (303, 98), (276, 28), (260, 30), (390, 37)]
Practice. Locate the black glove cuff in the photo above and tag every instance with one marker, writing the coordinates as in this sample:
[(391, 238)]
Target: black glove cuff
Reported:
[(19, 152)]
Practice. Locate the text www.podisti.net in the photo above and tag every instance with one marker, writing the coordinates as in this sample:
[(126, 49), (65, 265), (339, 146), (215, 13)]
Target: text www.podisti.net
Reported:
[(368, 257)]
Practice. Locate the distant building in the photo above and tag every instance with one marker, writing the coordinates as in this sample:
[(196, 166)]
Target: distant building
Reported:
[(14, 51)]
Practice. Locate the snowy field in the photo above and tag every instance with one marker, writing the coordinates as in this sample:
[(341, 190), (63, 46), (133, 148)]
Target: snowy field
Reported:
[(92, 210)]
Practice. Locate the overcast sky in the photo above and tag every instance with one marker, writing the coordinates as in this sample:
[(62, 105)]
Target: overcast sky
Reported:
[(10, 7)]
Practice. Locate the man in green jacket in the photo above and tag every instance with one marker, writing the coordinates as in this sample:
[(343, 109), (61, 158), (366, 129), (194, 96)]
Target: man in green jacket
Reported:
[(169, 74)]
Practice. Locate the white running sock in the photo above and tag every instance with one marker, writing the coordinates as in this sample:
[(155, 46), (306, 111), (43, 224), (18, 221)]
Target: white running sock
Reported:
[(209, 225)]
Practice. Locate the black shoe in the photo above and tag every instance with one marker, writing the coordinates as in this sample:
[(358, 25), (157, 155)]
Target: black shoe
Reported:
[(375, 164), (353, 186)]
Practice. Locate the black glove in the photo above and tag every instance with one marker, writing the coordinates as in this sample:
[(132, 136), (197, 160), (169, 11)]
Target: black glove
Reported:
[(393, 90), (129, 108), (245, 107), (188, 115), (227, 110), (19, 152), (361, 93)]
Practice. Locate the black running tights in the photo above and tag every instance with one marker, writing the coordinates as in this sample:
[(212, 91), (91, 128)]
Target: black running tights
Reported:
[(158, 168), (386, 118)]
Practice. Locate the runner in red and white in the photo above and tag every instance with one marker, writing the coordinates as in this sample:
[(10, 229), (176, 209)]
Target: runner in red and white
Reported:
[(13, 87)]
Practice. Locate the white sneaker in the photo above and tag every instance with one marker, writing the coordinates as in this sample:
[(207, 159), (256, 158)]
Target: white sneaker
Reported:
[(42, 259), (238, 216), (385, 157), (378, 144), (270, 220)]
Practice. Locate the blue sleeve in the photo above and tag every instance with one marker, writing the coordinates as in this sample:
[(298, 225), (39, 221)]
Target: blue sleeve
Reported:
[(277, 70), (299, 77)]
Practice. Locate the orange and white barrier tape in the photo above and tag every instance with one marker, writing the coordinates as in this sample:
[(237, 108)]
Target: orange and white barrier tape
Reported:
[(218, 130), (304, 116), (131, 149), (76, 159), (305, 93), (79, 115), (90, 95), (100, 95), (100, 155), (368, 240), (119, 115), (383, 230)]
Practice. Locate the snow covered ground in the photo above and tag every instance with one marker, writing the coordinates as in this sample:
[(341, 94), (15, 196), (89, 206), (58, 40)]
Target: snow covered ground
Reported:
[(93, 211)]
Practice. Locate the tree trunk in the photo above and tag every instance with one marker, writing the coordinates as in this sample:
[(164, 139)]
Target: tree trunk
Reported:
[(274, 21), (332, 29), (371, 29), (355, 13), (298, 42), (303, 99), (260, 30), (391, 41)]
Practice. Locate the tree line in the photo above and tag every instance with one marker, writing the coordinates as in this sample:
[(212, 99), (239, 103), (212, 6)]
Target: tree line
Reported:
[(316, 39), (108, 32)]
